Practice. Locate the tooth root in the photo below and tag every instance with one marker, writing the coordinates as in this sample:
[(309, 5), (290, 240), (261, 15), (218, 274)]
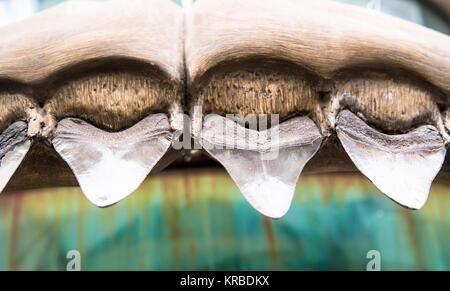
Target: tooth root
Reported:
[(110, 166), (265, 165), (401, 166), (14, 145)]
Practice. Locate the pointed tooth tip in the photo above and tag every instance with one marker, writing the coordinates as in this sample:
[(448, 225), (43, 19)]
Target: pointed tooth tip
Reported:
[(100, 203), (416, 206), (104, 198), (403, 199), (274, 215), (270, 197)]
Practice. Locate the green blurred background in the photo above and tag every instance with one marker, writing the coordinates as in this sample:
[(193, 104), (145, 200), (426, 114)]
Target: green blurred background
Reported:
[(198, 220)]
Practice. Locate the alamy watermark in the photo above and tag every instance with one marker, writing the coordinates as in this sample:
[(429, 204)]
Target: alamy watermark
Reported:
[(74, 263), (234, 131), (374, 263)]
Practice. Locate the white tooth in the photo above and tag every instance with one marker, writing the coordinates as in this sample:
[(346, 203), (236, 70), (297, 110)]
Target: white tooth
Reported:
[(401, 166), (110, 166), (14, 145), (265, 165)]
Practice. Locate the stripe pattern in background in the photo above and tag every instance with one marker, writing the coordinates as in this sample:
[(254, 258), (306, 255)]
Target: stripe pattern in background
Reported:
[(198, 220)]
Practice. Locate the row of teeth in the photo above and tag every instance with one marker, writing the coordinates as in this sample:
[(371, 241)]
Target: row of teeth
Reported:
[(265, 165)]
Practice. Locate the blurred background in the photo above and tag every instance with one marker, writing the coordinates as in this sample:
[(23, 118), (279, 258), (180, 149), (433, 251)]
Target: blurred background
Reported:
[(196, 218), (430, 13)]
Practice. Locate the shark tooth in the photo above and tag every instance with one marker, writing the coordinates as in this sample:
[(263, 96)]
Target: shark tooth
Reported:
[(265, 165), (401, 166), (14, 145), (110, 166)]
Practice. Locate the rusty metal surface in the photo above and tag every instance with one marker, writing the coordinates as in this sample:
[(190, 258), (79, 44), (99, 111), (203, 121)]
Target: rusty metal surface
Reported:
[(198, 220)]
